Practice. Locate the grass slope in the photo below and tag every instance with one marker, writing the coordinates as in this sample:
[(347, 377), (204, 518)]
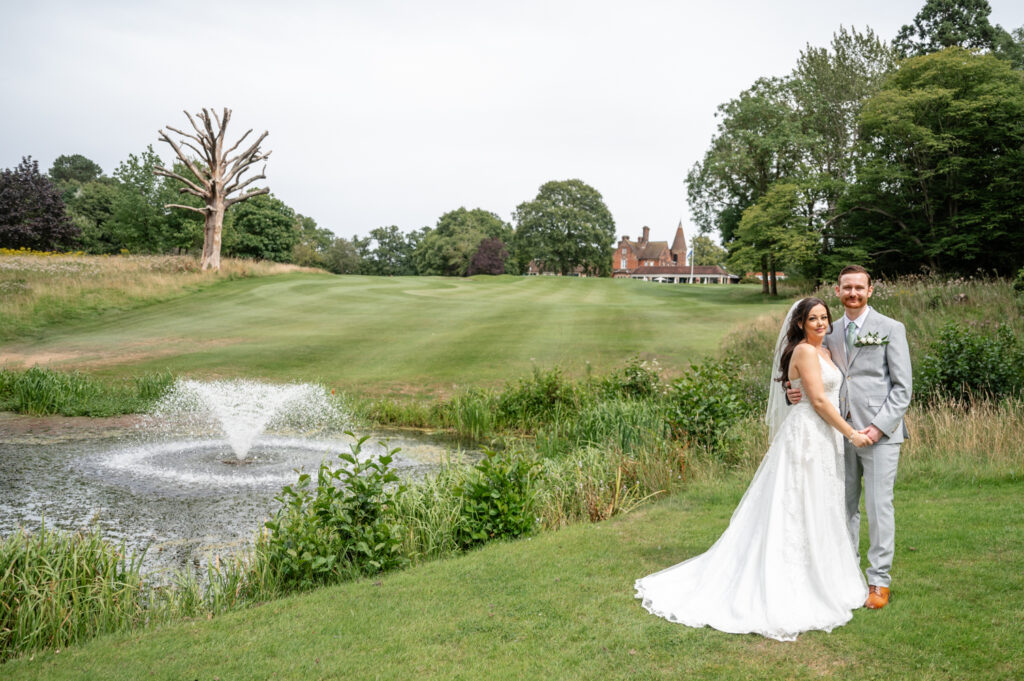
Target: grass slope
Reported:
[(561, 606), (415, 335)]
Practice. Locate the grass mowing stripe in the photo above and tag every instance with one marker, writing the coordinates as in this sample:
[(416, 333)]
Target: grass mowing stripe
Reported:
[(377, 335)]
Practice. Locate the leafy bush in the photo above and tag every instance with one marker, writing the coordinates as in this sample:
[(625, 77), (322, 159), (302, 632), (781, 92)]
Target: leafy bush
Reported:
[(498, 499), (345, 526), (1018, 282), (638, 379), (538, 399), (967, 362), (704, 403)]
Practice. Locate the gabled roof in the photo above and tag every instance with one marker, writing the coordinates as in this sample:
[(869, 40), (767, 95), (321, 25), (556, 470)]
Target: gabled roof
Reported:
[(649, 251)]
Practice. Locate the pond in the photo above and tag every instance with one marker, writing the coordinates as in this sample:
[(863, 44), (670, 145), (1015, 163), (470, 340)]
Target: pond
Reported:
[(170, 483)]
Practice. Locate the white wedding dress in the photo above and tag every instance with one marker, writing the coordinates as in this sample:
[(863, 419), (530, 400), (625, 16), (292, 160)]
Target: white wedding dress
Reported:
[(785, 564)]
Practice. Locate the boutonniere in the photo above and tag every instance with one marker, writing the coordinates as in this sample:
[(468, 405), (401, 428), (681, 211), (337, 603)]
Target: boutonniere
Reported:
[(870, 339)]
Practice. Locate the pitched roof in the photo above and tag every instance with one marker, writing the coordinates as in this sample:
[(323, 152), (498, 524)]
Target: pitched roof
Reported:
[(650, 251), (679, 243)]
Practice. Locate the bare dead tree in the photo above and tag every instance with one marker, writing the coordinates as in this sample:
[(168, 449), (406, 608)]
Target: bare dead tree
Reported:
[(217, 174)]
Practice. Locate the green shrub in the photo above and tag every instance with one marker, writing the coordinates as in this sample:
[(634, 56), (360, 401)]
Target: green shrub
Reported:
[(1018, 282), (537, 399), (498, 499), (344, 527), (703, 404), (967, 362), (639, 379)]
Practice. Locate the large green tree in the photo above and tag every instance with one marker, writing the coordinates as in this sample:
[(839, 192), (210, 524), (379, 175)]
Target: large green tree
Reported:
[(707, 252), (90, 207), (390, 254), (138, 221), (74, 168), (566, 226), (942, 167), (313, 245), (264, 227), (773, 230), (759, 141), (956, 23), (830, 86), (447, 249)]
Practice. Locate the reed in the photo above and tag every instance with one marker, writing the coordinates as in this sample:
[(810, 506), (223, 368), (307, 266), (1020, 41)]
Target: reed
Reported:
[(58, 588), (45, 392)]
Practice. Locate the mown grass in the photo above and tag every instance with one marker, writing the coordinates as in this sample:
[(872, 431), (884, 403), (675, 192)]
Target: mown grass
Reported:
[(400, 337), (40, 290), (561, 605)]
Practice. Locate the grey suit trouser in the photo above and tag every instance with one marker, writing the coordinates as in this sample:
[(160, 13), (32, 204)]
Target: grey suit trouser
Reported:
[(877, 466)]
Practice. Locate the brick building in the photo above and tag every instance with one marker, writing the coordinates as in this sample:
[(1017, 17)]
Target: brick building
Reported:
[(657, 261)]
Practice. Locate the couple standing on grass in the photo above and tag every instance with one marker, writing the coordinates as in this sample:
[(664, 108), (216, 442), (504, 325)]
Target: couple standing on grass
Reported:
[(788, 561)]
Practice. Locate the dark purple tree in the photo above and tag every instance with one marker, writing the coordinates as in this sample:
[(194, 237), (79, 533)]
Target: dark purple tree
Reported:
[(489, 258), (32, 214)]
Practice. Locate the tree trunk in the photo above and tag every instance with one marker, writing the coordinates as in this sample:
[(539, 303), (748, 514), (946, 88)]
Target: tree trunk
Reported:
[(764, 275), (771, 272), (212, 229)]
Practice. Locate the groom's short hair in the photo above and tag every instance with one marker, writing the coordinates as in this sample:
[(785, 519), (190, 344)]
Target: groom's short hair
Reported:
[(853, 269)]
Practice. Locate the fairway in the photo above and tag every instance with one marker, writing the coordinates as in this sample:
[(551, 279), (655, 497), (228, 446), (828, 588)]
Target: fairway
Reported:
[(416, 336)]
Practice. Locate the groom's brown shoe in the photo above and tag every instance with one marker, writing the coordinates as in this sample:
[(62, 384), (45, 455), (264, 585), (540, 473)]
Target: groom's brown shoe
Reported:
[(878, 597)]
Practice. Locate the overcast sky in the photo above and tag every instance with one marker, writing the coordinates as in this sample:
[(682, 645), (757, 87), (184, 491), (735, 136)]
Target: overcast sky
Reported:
[(386, 112)]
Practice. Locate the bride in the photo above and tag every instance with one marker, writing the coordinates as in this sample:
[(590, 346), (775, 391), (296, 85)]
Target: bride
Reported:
[(786, 563)]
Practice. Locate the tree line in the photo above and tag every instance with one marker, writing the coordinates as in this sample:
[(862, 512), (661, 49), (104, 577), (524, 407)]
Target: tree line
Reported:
[(76, 206), (905, 157)]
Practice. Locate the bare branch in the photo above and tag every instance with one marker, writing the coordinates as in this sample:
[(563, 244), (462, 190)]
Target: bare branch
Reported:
[(201, 211), (253, 148), (240, 139), (191, 120), (186, 160), (248, 195), (185, 134), (238, 186)]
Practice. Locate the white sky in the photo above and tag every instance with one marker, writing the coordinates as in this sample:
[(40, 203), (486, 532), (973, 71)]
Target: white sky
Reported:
[(385, 112)]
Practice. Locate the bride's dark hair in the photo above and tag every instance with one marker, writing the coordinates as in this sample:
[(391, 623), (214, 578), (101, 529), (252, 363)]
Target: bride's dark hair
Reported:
[(795, 333)]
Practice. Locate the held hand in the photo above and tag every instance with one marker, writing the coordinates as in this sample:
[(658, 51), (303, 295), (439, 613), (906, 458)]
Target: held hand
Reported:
[(859, 439), (873, 433), (793, 394)]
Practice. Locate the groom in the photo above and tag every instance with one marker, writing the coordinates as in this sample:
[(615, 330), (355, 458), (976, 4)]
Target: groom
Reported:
[(871, 350)]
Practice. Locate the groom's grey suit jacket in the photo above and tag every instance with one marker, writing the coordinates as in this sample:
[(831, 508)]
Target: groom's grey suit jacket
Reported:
[(877, 378)]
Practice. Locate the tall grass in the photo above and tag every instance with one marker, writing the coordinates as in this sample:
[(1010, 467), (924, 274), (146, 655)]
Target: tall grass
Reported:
[(45, 392), (37, 289), (58, 588)]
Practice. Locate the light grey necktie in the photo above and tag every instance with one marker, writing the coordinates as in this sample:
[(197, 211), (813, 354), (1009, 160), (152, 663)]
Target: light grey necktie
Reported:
[(851, 336)]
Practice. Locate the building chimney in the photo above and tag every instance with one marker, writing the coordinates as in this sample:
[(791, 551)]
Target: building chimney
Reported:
[(646, 236)]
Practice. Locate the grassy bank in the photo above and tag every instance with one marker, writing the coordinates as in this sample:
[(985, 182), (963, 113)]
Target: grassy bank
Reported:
[(40, 290), (561, 606)]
